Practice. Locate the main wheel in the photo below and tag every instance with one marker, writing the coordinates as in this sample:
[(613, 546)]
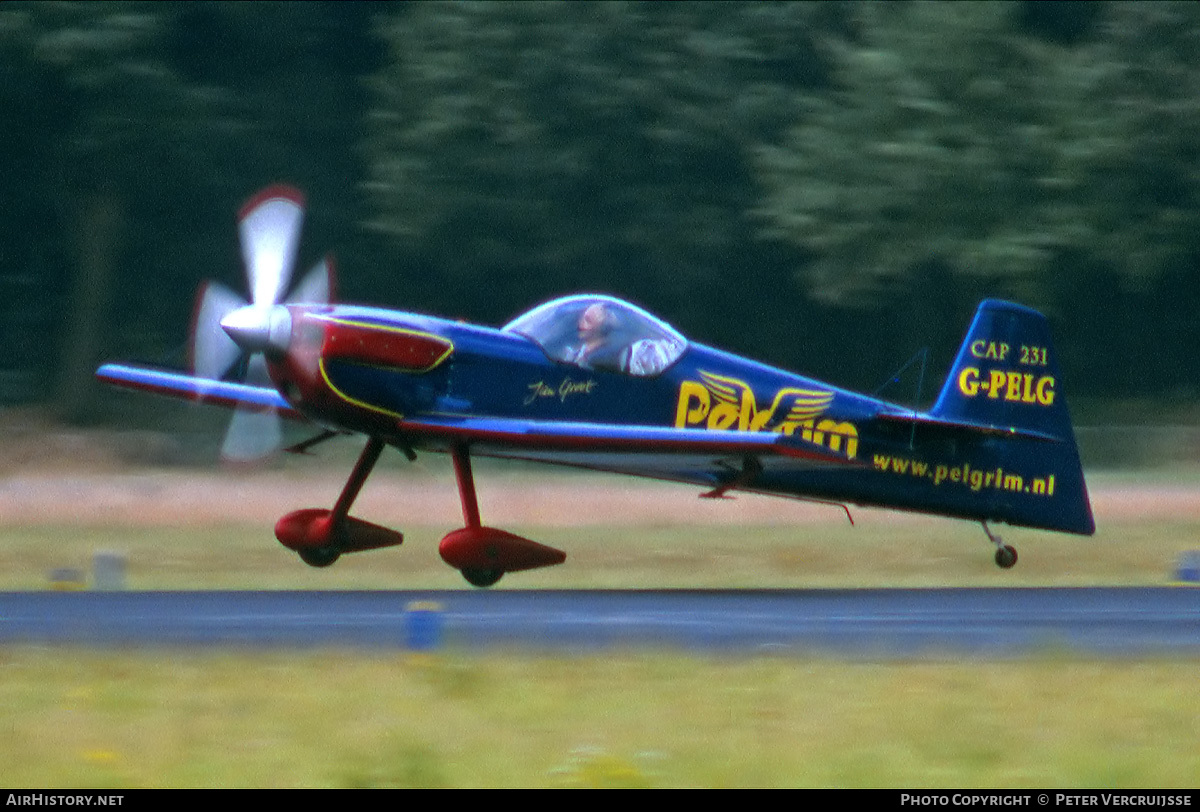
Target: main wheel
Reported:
[(319, 556), (481, 577), (1006, 557)]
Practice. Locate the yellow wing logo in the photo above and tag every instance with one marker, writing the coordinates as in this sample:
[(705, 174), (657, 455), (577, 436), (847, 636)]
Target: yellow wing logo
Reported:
[(806, 403), (730, 403), (726, 391), (723, 403)]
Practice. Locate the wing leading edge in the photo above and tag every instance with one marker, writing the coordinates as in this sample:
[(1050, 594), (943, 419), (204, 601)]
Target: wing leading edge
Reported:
[(699, 456), (492, 432), (189, 387), (695, 455)]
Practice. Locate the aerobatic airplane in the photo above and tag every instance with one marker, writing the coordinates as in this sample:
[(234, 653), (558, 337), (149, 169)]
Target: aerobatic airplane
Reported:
[(595, 382)]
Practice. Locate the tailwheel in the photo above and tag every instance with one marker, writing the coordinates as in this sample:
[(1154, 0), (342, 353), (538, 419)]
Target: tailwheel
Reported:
[(481, 577), (1006, 556), (319, 556)]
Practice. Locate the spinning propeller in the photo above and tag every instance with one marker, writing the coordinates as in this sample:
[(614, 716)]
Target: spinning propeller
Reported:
[(229, 331)]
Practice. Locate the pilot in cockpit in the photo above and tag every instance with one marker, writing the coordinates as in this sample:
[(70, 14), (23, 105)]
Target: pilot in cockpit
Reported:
[(595, 347), (604, 344)]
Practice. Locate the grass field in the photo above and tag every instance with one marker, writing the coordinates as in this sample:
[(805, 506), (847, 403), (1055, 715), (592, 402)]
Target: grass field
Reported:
[(75, 718), (80, 718)]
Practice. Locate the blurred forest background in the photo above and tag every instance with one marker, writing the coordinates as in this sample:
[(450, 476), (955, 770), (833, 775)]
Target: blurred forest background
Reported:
[(826, 186)]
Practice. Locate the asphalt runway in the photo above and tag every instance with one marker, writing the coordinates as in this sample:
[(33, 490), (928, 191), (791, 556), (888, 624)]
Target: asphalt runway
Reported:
[(1109, 622)]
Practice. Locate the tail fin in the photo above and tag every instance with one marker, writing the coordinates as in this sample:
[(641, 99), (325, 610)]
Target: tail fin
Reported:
[(1006, 376)]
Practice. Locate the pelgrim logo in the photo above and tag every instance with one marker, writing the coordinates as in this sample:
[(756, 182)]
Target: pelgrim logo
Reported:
[(720, 402)]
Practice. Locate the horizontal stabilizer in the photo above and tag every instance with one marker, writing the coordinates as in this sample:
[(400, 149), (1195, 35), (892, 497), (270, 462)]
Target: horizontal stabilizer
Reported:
[(964, 426)]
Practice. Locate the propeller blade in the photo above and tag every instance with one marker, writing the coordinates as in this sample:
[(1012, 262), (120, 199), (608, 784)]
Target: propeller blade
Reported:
[(269, 227), (317, 285), (226, 326), (213, 352), (253, 434)]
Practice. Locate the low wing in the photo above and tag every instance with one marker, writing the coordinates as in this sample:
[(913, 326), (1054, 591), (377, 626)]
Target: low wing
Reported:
[(189, 387), (611, 438), (691, 455)]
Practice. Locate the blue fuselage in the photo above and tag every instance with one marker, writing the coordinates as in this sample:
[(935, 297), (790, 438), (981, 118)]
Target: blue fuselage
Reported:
[(494, 373)]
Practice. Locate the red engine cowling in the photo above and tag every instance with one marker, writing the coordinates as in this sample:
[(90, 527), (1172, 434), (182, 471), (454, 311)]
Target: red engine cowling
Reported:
[(486, 548), (384, 345), (313, 528)]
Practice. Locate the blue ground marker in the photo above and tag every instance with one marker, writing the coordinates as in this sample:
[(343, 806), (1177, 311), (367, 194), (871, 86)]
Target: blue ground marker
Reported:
[(1189, 568), (423, 625)]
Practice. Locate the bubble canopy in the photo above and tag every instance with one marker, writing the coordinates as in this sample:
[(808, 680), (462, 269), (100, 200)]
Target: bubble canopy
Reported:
[(601, 332)]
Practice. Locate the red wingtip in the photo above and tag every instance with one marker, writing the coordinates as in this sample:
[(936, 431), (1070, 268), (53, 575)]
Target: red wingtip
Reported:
[(274, 191)]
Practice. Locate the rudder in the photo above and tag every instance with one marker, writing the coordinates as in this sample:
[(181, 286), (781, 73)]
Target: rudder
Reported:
[(1006, 374)]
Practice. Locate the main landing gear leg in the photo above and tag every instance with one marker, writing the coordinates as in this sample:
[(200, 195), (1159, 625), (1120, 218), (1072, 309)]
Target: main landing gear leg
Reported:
[(320, 536), (326, 555), (484, 554), (1006, 556), (358, 478), (476, 576)]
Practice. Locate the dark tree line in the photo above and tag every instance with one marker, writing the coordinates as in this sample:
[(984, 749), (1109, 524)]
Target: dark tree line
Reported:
[(829, 186)]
